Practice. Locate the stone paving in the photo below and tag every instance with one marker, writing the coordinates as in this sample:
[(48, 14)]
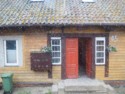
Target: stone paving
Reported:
[(72, 86), (30, 90), (120, 90), (82, 86)]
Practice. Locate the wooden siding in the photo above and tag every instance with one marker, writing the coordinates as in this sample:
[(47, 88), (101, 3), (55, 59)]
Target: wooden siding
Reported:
[(84, 30), (116, 59), (35, 38)]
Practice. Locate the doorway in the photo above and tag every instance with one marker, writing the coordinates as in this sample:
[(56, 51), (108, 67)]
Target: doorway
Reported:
[(85, 57), (82, 57), (78, 57)]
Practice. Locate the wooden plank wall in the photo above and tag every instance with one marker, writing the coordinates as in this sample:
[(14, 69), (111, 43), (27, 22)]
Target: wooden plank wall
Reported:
[(33, 40), (116, 59)]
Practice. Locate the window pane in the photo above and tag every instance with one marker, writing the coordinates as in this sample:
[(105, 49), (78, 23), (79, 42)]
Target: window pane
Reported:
[(100, 60), (55, 54), (55, 60), (55, 42), (100, 48), (11, 44), (100, 42), (100, 54), (11, 51), (11, 56), (56, 48)]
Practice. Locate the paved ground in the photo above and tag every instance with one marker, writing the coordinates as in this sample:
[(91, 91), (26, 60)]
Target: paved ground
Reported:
[(120, 90), (46, 90), (31, 90)]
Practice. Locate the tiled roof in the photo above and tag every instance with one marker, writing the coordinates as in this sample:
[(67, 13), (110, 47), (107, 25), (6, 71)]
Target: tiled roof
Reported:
[(56, 12)]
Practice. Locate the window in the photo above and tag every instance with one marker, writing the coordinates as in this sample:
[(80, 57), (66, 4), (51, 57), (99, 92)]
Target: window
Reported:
[(56, 50), (100, 50), (88, 0), (11, 55), (11, 52)]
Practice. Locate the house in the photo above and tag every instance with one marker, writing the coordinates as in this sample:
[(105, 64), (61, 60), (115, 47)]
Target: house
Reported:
[(82, 35)]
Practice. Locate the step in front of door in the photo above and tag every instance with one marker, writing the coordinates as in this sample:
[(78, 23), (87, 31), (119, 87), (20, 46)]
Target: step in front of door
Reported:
[(85, 92)]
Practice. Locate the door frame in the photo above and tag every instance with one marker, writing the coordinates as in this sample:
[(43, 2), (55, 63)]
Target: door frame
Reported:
[(80, 35)]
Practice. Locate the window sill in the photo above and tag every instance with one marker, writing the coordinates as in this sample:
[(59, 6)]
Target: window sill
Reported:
[(56, 64), (100, 64), (11, 65), (37, 0)]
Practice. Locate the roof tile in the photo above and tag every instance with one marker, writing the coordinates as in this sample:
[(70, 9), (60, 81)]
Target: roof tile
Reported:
[(22, 12)]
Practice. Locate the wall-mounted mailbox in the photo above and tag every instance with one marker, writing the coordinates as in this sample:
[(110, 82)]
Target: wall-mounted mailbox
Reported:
[(41, 61)]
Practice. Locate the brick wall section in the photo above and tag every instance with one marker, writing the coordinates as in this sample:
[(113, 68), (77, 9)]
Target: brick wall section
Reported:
[(36, 84), (115, 83)]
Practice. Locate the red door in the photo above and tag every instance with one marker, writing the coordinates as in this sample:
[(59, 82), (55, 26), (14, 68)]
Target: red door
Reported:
[(72, 57), (89, 57)]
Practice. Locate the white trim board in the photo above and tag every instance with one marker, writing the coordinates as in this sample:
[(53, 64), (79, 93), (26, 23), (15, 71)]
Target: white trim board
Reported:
[(36, 0), (91, 1)]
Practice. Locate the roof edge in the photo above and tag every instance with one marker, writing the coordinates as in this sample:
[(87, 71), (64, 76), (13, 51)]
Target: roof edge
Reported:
[(63, 25)]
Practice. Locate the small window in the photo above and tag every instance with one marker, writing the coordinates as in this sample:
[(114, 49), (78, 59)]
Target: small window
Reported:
[(56, 50), (88, 0), (100, 50), (11, 55)]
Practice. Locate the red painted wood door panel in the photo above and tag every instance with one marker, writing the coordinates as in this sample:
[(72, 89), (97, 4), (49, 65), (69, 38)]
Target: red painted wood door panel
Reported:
[(72, 57), (89, 57)]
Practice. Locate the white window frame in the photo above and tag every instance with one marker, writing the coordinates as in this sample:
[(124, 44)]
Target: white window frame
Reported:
[(100, 39), (14, 63), (59, 38)]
